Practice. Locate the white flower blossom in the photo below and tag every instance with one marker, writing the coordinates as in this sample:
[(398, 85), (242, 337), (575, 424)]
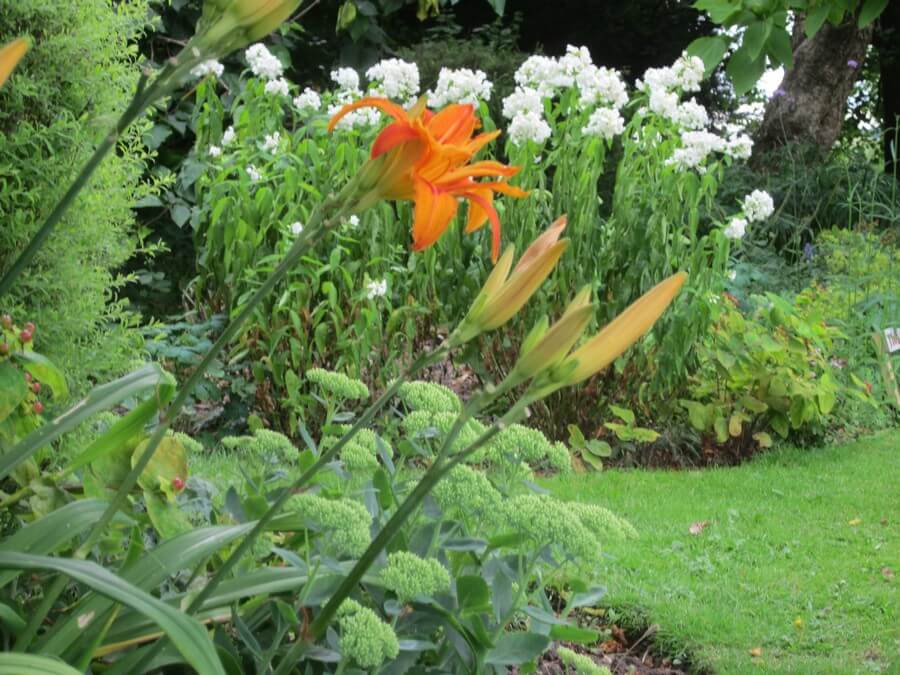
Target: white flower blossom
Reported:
[(377, 289), (664, 103), (278, 86), (395, 78), (253, 172), (228, 136), (696, 147), (263, 63), (210, 67), (346, 78), (736, 228), (461, 85), (732, 275), (358, 118), (296, 228), (739, 146), (575, 60), (214, 151), (689, 72), (271, 142), (691, 115), (605, 123), (353, 221), (523, 101), (526, 127), (543, 73), (758, 206), (308, 100), (602, 86)]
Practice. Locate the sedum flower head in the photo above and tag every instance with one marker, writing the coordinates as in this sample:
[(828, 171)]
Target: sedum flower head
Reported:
[(419, 421), (358, 458), (519, 443), (429, 396), (583, 664), (192, 445), (467, 492), (546, 521), (265, 444), (344, 522), (410, 576), (602, 522), (338, 384), (365, 638)]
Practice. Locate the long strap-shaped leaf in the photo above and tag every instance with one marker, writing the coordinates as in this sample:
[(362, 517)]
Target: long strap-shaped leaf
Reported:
[(53, 531), (183, 551), (101, 398), (16, 664), (188, 636)]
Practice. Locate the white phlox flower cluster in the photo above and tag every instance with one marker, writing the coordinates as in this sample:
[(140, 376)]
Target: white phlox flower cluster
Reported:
[(210, 67), (229, 136), (263, 63), (601, 86), (758, 206), (271, 142), (215, 151), (543, 73), (526, 127), (376, 289), (691, 115), (348, 91), (278, 86), (522, 101), (735, 228), (253, 172), (696, 147), (395, 79), (461, 85), (353, 221), (308, 100), (605, 123), (739, 146), (665, 87)]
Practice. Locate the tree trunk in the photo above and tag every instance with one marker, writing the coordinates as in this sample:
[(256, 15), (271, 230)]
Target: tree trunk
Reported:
[(887, 42), (809, 106)]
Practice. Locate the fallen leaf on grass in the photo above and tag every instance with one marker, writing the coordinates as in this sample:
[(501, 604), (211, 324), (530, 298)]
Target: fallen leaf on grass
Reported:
[(698, 527), (855, 522), (755, 652), (887, 573)]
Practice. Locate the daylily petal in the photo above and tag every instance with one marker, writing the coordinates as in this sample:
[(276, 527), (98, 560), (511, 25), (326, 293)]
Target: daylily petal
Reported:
[(10, 55), (479, 169), (434, 211), (454, 124), (484, 201), (393, 135), (480, 141), (550, 236), (383, 104)]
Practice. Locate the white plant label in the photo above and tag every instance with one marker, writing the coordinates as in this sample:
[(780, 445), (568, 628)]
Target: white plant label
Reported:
[(892, 338)]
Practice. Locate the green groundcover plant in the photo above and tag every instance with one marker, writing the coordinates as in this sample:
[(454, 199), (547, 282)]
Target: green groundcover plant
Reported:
[(348, 562)]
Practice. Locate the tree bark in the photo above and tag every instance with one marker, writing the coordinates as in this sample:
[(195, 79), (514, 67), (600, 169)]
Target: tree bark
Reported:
[(809, 106)]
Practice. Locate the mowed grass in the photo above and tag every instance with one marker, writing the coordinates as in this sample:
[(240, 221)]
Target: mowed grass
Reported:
[(799, 562)]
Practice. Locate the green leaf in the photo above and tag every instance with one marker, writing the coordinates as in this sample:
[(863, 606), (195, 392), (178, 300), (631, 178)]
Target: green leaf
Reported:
[(870, 11), (53, 531), (473, 595), (710, 49), (570, 633), (764, 440), (623, 413), (44, 372), (16, 664), (745, 71), (13, 389), (188, 636), (599, 448), (721, 428), (815, 18), (720, 11), (11, 619), (755, 37), (101, 398), (576, 438), (594, 462), (148, 573), (513, 649), (699, 414), (779, 48), (588, 598)]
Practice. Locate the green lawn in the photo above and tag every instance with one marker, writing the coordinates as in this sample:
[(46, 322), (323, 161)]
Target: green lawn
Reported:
[(797, 558)]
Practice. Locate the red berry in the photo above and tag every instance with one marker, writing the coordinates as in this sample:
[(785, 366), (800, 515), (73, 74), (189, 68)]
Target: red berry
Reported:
[(35, 387), (38, 407), (178, 484), (25, 336)]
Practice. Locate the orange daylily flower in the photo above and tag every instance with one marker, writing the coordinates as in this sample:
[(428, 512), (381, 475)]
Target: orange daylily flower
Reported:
[(10, 55), (424, 157)]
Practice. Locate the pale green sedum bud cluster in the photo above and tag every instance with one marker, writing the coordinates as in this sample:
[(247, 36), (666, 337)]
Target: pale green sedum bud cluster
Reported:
[(338, 385), (344, 522), (602, 522), (365, 638), (410, 576), (549, 522), (582, 664), (467, 492), (430, 397), (269, 446), (521, 443)]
